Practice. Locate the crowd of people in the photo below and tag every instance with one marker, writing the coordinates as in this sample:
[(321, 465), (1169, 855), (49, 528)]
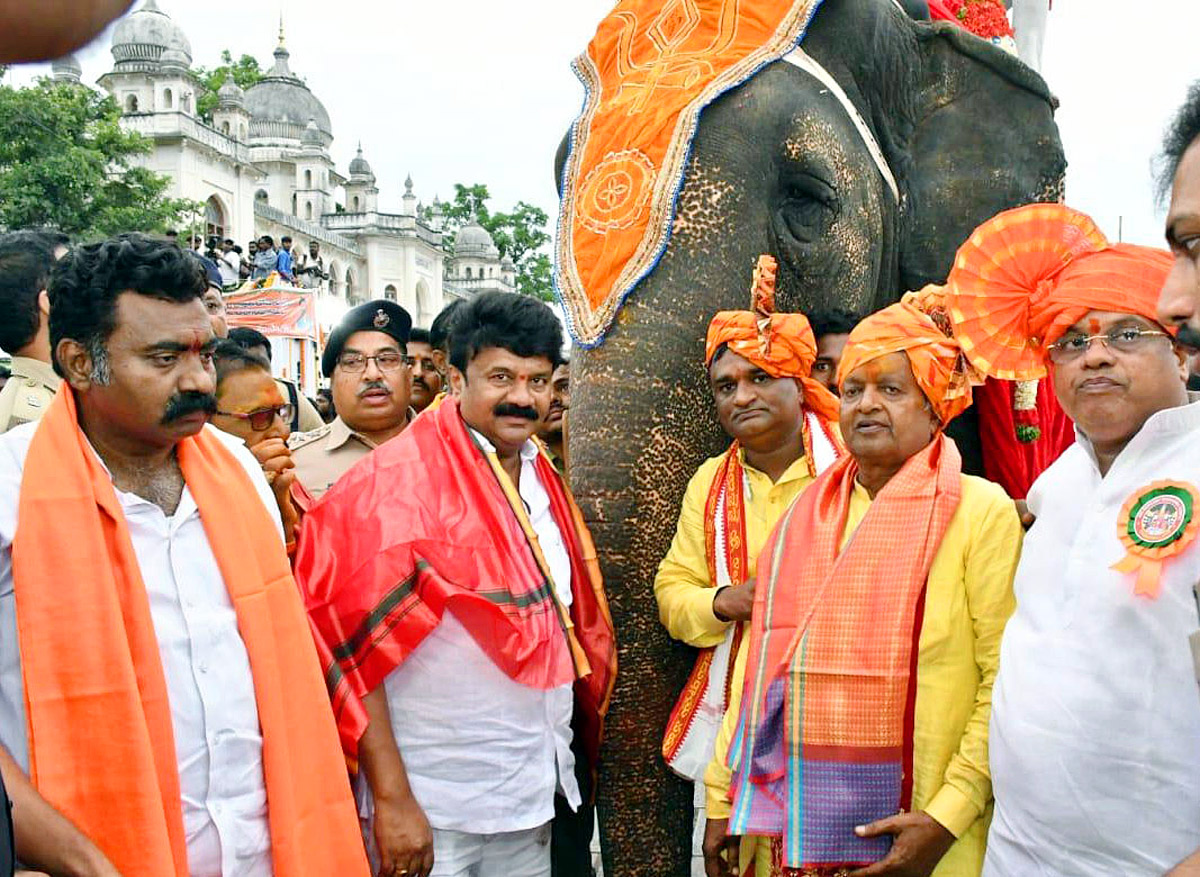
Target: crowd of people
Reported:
[(247, 633)]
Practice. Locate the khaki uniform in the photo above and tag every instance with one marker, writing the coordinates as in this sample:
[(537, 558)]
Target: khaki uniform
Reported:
[(28, 392), (323, 455), (308, 418)]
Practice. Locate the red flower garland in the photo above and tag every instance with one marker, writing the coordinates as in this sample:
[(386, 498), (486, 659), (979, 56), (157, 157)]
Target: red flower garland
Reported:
[(984, 18)]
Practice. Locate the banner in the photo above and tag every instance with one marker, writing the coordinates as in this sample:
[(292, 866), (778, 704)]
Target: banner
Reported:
[(281, 312)]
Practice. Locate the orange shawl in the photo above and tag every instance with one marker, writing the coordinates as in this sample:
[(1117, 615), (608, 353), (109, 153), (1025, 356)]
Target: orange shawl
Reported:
[(101, 746)]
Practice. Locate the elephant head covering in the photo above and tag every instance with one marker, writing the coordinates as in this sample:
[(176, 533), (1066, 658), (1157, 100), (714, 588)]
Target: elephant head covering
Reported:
[(648, 73), (782, 345), (918, 326), (1027, 275)]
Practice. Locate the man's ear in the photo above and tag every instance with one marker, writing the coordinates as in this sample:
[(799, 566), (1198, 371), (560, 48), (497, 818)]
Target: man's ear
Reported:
[(457, 380), (44, 303), (1182, 356), (75, 362)]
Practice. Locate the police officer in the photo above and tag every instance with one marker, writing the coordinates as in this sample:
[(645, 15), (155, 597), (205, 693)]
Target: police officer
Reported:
[(371, 379), (26, 258)]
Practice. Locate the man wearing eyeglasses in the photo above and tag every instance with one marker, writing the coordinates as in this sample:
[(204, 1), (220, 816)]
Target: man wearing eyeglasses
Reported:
[(1095, 726), (367, 359)]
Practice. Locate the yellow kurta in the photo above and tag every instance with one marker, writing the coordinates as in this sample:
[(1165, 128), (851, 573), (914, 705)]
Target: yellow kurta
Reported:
[(968, 601), (682, 586)]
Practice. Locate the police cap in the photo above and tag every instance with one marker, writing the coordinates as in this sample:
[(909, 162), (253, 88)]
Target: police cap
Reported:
[(374, 316)]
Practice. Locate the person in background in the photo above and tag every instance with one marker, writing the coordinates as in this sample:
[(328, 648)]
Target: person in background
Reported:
[(284, 262), (250, 406), (554, 428), (172, 235), (311, 267), (304, 416), (185, 649), (26, 259), (214, 299), (485, 562), (367, 361), (266, 259), (426, 379), (324, 404), (439, 337), (230, 262), (831, 328)]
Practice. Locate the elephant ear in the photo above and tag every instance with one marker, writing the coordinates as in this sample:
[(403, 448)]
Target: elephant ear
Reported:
[(981, 139)]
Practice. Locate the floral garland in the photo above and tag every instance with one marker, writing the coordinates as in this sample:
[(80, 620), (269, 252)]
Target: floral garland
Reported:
[(984, 18)]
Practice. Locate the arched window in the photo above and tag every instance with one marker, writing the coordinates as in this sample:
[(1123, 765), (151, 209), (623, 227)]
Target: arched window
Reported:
[(242, 132), (351, 289), (294, 213), (214, 217), (261, 196), (389, 292), (308, 179), (131, 104), (168, 100), (185, 104), (425, 308), (468, 273), (225, 128), (335, 280), (308, 210), (355, 202)]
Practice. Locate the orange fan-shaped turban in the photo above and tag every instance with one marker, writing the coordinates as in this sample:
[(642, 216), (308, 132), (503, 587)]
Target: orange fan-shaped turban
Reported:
[(919, 326), (1027, 275), (782, 345)]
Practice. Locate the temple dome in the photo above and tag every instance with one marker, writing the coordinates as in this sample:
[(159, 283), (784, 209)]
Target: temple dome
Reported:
[(359, 167), (66, 69), (474, 240), (281, 106), (140, 39), (230, 93)]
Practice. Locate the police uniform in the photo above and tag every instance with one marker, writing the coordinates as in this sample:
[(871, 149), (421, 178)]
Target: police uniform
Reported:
[(323, 455), (28, 392)]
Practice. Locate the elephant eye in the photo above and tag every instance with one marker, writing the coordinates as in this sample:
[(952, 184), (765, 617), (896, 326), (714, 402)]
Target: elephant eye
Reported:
[(807, 208)]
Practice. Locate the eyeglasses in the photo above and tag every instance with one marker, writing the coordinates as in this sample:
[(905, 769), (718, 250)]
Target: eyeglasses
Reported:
[(1125, 340), (388, 361), (424, 365), (262, 418)]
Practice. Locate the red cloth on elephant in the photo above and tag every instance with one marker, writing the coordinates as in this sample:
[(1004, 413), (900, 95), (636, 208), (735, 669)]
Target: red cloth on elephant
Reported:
[(424, 525), (1015, 465)]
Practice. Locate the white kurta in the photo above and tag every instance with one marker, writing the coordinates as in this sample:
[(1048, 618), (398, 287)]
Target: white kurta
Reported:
[(214, 715), (1095, 730)]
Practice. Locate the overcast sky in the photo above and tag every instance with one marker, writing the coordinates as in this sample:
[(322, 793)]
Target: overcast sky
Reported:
[(482, 91)]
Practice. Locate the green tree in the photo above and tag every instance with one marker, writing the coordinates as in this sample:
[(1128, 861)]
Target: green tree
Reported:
[(66, 162), (519, 234), (245, 72)]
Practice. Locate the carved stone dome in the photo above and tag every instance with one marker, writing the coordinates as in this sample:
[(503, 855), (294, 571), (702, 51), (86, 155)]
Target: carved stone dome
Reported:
[(281, 105), (139, 40)]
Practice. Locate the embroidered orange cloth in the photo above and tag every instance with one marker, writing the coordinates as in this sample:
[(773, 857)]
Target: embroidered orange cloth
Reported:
[(918, 326), (426, 525), (648, 72), (1027, 275), (101, 747), (825, 736)]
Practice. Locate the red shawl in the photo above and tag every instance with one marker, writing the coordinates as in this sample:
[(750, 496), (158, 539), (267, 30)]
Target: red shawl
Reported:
[(428, 523)]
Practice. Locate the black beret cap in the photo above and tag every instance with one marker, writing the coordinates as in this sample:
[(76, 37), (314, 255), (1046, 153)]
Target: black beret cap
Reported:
[(374, 316)]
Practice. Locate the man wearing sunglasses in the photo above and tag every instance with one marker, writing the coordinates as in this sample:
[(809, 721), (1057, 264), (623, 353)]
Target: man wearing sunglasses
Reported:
[(1095, 728), (367, 361)]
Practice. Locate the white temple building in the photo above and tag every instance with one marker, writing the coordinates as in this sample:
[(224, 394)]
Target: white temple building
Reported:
[(263, 166)]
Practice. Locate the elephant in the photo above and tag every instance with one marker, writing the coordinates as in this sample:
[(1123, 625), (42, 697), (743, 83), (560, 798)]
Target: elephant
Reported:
[(776, 167)]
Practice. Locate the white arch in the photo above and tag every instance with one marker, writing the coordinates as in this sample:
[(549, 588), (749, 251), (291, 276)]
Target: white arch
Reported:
[(335, 280), (168, 102), (426, 308)]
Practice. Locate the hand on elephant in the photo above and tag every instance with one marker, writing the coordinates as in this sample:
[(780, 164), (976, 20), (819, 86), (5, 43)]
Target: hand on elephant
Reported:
[(720, 850), (734, 602), (918, 844), (404, 838)]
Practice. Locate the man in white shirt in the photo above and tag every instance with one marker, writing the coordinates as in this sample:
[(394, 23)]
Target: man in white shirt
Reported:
[(174, 623), (471, 619), (1095, 730)]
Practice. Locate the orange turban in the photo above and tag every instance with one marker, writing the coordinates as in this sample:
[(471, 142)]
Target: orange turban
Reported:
[(782, 345), (914, 326), (1027, 275)]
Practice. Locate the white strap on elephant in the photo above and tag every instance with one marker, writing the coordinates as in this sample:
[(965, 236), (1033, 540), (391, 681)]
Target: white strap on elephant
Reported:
[(806, 62)]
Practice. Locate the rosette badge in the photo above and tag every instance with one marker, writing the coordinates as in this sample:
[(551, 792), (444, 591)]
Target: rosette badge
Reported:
[(1156, 523)]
